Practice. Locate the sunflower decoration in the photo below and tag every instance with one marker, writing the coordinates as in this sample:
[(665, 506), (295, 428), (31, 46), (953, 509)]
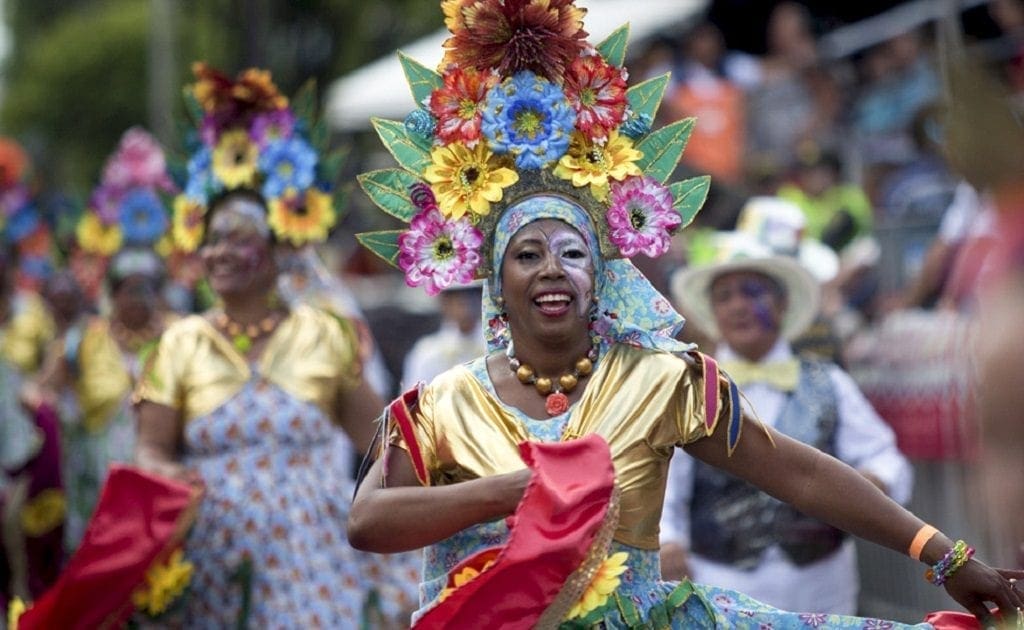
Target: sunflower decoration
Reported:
[(523, 104), (250, 136)]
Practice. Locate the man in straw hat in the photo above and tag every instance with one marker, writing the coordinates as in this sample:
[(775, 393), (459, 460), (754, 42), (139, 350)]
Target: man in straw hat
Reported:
[(754, 301)]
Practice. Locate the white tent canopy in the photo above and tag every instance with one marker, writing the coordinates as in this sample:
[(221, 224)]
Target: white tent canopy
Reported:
[(379, 88)]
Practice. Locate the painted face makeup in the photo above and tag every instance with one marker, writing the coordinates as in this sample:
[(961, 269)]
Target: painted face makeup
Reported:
[(571, 252), (237, 249)]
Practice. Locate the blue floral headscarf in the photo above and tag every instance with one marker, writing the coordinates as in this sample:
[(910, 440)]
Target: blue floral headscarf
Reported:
[(631, 310)]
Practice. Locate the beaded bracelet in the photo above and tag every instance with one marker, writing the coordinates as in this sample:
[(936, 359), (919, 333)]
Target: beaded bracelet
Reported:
[(949, 564)]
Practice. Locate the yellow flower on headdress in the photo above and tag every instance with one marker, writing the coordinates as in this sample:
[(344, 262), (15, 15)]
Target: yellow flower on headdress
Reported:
[(606, 580), (165, 582), (596, 164), (302, 219), (234, 159), (187, 224), (97, 238), (44, 512), (467, 180)]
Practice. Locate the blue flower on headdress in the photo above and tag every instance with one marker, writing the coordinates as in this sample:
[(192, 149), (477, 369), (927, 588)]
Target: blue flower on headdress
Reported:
[(287, 164), (22, 223), (201, 182), (36, 267), (529, 117), (143, 218)]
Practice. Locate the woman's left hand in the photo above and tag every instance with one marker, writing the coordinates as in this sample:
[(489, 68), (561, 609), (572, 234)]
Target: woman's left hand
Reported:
[(976, 583)]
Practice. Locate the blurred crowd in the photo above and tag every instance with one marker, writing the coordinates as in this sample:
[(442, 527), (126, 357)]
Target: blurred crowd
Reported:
[(905, 210)]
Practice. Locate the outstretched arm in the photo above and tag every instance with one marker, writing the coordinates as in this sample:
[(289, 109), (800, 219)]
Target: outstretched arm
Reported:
[(396, 513), (825, 488)]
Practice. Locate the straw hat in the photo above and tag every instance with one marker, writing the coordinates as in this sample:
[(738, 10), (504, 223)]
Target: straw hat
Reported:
[(769, 239), (740, 251)]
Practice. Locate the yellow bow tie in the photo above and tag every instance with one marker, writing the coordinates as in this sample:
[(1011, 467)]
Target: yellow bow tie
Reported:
[(782, 375)]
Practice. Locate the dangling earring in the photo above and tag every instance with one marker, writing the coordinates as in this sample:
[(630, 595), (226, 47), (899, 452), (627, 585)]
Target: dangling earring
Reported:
[(500, 303)]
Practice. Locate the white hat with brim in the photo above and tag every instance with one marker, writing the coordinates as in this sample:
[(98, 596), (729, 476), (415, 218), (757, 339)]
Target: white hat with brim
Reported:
[(691, 287)]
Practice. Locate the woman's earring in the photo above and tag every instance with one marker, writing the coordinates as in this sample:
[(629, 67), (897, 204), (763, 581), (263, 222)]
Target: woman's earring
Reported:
[(500, 302)]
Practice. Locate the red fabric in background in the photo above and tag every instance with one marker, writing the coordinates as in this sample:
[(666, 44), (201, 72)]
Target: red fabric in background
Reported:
[(138, 518), (551, 532)]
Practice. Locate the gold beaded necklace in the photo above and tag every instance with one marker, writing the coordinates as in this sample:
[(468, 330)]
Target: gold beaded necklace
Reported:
[(244, 335), (555, 401)]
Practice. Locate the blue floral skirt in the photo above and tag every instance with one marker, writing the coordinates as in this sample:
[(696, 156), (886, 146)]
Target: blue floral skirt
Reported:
[(643, 599)]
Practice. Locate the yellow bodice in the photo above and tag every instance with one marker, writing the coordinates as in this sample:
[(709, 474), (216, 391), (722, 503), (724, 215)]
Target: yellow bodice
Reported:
[(643, 403), (195, 369), (28, 331)]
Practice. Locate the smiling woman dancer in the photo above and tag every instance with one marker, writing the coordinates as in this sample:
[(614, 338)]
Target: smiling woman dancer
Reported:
[(534, 476), (244, 398)]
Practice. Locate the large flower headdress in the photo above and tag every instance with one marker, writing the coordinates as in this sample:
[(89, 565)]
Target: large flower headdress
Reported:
[(251, 137), (523, 105), (23, 228), (126, 211)]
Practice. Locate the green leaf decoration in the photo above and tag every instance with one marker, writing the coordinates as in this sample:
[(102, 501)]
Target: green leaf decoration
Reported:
[(339, 201), (383, 243), (663, 148), (422, 80), (192, 106), (689, 196), (411, 155), (329, 166), (320, 136), (303, 104), (389, 189), (644, 98), (613, 48)]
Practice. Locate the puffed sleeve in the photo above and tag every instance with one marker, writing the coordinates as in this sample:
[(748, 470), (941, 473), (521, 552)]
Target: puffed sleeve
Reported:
[(344, 344), (707, 397), (410, 426), (162, 378)]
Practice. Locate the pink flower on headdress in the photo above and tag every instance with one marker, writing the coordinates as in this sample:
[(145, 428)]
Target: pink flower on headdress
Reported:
[(106, 202), (457, 105), (641, 216), (437, 253), (139, 161), (597, 90)]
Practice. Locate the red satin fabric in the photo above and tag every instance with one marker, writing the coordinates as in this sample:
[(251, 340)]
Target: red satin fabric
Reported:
[(139, 516), (551, 532)]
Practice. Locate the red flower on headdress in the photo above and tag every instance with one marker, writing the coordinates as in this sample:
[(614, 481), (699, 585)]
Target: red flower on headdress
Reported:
[(542, 36), (597, 90), (12, 163), (252, 92), (457, 105)]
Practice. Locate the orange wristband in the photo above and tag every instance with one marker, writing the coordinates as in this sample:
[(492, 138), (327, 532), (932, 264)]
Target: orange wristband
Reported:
[(921, 539)]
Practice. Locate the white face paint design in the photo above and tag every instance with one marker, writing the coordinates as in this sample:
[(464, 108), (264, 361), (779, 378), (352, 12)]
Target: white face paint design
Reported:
[(572, 253)]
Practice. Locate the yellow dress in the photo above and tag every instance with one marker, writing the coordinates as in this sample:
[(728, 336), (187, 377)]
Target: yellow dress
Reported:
[(29, 329)]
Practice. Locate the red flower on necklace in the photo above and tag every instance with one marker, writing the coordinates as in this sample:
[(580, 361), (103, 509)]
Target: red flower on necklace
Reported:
[(556, 403)]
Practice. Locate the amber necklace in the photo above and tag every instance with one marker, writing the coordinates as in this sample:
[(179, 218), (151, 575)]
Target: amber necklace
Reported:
[(244, 335), (555, 402)]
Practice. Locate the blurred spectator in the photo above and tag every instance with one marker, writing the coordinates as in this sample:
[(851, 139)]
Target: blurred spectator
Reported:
[(956, 257), (1009, 18), (899, 80), (796, 100), (837, 212), (723, 531), (460, 338), (706, 90), (912, 199)]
